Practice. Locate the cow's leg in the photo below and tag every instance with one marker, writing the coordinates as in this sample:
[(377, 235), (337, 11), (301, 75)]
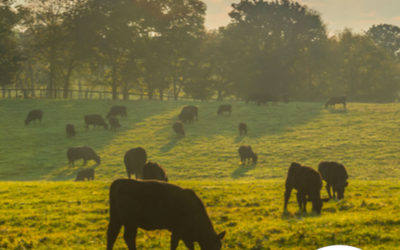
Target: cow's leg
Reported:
[(287, 196), (112, 233), (189, 244), (334, 191), (174, 241), (301, 200), (130, 237), (84, 162), (328, 189)]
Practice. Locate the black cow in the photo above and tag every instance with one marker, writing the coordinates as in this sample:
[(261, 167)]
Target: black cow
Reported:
[(224, 108), (95, 120), (70, 129), (117, 110), (242, 128), (153, 205), (135, 159), (189, 113), (307, 181), (33, 115), (336, 100), (335, 175), (85, 174), (154, 171), (178, 128), (114, 123), (246, 153), (85, 153)]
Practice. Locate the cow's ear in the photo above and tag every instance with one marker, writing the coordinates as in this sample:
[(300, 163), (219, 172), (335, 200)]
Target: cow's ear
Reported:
[(346, 184), (221, 235)]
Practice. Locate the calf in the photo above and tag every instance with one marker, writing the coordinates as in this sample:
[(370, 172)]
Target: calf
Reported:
[(336, 100), (178, 128), (152, 170), (153, 205), (85, 153), (335, 175), (135, 159), (85, 174), (70, 129), (117, 110), (246, 153), (242, 128), (114, 123), (95, 120), (33, 115), (224, 108), (308, 184)]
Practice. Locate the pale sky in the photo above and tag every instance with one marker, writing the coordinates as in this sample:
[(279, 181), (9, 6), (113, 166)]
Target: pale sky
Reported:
[(358, 15)]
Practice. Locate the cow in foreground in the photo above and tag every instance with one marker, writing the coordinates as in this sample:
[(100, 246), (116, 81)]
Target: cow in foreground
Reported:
[(33, 115), (178, 128), (70, 130), (95, 120), (154, 171), (85, 153), (153, 205), (135, 159), (308, 184), (336, 100), (242, 128), (224, 108), (335, 175), (246, 153), (85, 174), (117, 110)]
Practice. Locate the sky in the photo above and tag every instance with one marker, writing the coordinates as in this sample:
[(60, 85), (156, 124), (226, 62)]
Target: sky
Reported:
[(358, 15)]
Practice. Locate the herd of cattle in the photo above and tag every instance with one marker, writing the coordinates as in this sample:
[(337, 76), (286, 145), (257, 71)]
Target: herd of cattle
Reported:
[(152, 203)]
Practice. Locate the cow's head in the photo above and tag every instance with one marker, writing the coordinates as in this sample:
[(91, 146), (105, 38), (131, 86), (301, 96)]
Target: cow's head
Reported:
[(340, 190), (214, 243)]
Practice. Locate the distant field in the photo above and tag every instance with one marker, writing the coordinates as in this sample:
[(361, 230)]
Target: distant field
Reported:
[(365, 138), (68, 215), (41, 208)]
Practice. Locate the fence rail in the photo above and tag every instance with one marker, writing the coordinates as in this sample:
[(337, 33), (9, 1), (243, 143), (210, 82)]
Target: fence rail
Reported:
[(85, 94)]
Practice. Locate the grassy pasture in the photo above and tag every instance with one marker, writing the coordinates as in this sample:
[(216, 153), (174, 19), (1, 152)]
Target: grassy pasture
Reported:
[(365, 139), (40, 208)]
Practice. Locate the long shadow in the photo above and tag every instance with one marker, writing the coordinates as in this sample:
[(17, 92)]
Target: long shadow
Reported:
[(242, 170), (171, 144), (338, 111), (39, 152)]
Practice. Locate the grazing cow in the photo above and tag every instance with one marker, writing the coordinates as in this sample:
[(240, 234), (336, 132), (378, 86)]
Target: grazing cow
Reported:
[(178, 128), (135, 159), (154, 171), (85, 153), (242, 128), (335, 175), (95, 120), (246, 153), (308, 184), (117, 110), (35, 114), (114, 123), (224, 108), (70, 129), (189, 113), (85, 174), (336, 100), (153, 205)]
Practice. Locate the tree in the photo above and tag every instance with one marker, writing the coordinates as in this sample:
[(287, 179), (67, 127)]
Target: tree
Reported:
[(10, 56), (386, 36)]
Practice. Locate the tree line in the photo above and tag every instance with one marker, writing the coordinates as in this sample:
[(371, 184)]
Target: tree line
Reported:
[(270, 51)]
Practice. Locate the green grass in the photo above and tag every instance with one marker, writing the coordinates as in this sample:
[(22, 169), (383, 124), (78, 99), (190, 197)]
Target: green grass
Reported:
[(68, 215), (48, 211)]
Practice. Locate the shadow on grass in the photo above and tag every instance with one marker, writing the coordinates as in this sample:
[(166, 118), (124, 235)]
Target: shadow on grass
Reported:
[(242, 170), (171, 144), (338, 111)]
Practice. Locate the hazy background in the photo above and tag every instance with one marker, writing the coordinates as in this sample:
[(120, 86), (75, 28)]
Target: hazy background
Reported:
[(359, 15)]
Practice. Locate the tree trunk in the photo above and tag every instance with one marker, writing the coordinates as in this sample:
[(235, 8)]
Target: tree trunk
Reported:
[(177, 89), (114, 83), (161, 94), (125, 92), (66, 80)]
